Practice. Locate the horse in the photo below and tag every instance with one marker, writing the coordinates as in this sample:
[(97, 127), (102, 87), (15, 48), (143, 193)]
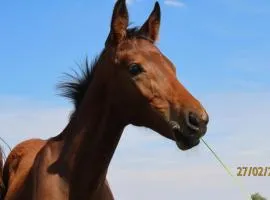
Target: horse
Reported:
[(130, 82)]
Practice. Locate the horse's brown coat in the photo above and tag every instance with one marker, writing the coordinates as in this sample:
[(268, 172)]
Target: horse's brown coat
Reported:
[(74, 164)]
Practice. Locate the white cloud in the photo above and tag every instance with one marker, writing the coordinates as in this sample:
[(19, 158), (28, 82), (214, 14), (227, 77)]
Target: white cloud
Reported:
[(147, 166), (154, 168), (174, 3), (22, 119)]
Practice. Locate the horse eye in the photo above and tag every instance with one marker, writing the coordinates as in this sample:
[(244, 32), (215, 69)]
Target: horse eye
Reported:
[(135, 69)]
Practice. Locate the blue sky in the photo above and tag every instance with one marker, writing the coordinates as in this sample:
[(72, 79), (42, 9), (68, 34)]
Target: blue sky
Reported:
[(216, 45), (221, 49)]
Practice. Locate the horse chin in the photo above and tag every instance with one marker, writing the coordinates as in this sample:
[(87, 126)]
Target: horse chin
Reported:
[(187, 144), (184, 141)]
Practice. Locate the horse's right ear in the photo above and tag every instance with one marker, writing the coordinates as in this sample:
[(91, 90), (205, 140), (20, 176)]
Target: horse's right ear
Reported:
[(119, 23)]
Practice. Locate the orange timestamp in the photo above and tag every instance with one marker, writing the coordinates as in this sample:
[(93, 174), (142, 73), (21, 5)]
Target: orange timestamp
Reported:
[(253, 171)]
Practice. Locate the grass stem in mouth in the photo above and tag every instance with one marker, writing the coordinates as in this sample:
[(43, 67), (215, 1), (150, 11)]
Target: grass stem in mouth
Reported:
[(227, 169)]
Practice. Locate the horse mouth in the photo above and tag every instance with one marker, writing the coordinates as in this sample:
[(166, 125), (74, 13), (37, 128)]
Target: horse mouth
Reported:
[(185, 139)]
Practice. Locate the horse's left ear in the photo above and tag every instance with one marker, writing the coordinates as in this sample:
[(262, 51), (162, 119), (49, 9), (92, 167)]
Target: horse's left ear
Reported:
[(150, 28)]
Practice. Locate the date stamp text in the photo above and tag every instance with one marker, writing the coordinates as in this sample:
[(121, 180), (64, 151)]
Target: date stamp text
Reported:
[(253, 171)]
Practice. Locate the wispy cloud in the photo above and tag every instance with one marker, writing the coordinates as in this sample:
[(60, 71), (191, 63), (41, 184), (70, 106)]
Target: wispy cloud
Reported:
[(22, 119), (174, 3), (147, 166)]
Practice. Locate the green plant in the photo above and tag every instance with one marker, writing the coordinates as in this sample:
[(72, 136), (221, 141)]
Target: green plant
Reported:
[(257, 196)]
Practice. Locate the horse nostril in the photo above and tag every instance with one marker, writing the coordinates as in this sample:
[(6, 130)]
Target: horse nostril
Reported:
[(193, 121), (197, 122)]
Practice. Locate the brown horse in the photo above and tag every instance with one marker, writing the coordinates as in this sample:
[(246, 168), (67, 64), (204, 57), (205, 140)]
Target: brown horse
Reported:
[(131, 82)]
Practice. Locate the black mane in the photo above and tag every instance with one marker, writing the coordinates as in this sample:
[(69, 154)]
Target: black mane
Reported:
[(76, 87), (78, 83)]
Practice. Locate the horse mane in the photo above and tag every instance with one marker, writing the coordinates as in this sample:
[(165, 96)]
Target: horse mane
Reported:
[(75, 88)]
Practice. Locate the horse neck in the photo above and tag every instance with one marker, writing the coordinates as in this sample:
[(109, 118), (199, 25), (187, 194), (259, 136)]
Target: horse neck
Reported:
[(90, 140)]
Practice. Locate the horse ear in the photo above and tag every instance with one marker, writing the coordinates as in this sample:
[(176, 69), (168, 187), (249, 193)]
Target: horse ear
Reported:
[(119, 23), (150, 28)]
